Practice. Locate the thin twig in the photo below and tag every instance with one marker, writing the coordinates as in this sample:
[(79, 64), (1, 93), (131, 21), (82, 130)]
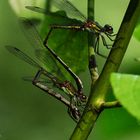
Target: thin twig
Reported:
[(91, 41), (113, 104)]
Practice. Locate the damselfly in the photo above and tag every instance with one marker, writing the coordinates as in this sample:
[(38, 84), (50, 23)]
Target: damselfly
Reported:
[(85, 25), (77, 99), (65, 86)]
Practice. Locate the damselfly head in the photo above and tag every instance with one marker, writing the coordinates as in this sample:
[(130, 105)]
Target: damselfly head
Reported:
[(108, 29), (83, 98)]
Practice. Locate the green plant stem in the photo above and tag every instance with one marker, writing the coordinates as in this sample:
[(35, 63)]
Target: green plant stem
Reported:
[(91, 40), (48, 5), (99, 89), (112, 104)]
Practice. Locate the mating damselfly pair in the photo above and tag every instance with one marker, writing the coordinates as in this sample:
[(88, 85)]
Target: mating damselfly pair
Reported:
[(76, 99)]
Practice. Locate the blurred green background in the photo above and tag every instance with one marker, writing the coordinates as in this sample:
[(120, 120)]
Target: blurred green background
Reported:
[(28, 114)]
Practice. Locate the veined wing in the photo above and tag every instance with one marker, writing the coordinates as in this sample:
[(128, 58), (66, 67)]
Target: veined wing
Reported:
[(21, 55), (18, 53), (69, 8), (41, 80), (35, 40), (43, 56), (63, 5), (31, 33), (46, 12)]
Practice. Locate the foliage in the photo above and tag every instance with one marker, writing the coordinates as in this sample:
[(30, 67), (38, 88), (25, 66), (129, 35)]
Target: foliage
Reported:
[(126, 88), (137, 32)]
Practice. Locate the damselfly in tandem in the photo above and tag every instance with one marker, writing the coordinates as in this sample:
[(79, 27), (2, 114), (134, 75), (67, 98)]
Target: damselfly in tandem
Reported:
[(85, 25), (76, 99)]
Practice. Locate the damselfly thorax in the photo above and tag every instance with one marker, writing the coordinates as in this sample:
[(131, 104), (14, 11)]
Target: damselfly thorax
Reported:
[(95, 27)]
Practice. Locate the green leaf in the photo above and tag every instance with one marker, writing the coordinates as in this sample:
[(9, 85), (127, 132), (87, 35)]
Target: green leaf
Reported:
[(70, 45), (126, 88), (137, 32)]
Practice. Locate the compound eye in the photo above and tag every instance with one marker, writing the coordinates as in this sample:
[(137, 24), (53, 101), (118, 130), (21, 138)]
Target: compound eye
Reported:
[(84, 98), (108, 29)]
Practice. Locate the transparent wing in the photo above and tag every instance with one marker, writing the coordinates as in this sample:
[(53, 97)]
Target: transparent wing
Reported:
[(64, 5), (68, 7), (42, 80), (21, 55), (45, 57), (31, 33), (46, 12), (34, 38), (41, 53), (37, 9)]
